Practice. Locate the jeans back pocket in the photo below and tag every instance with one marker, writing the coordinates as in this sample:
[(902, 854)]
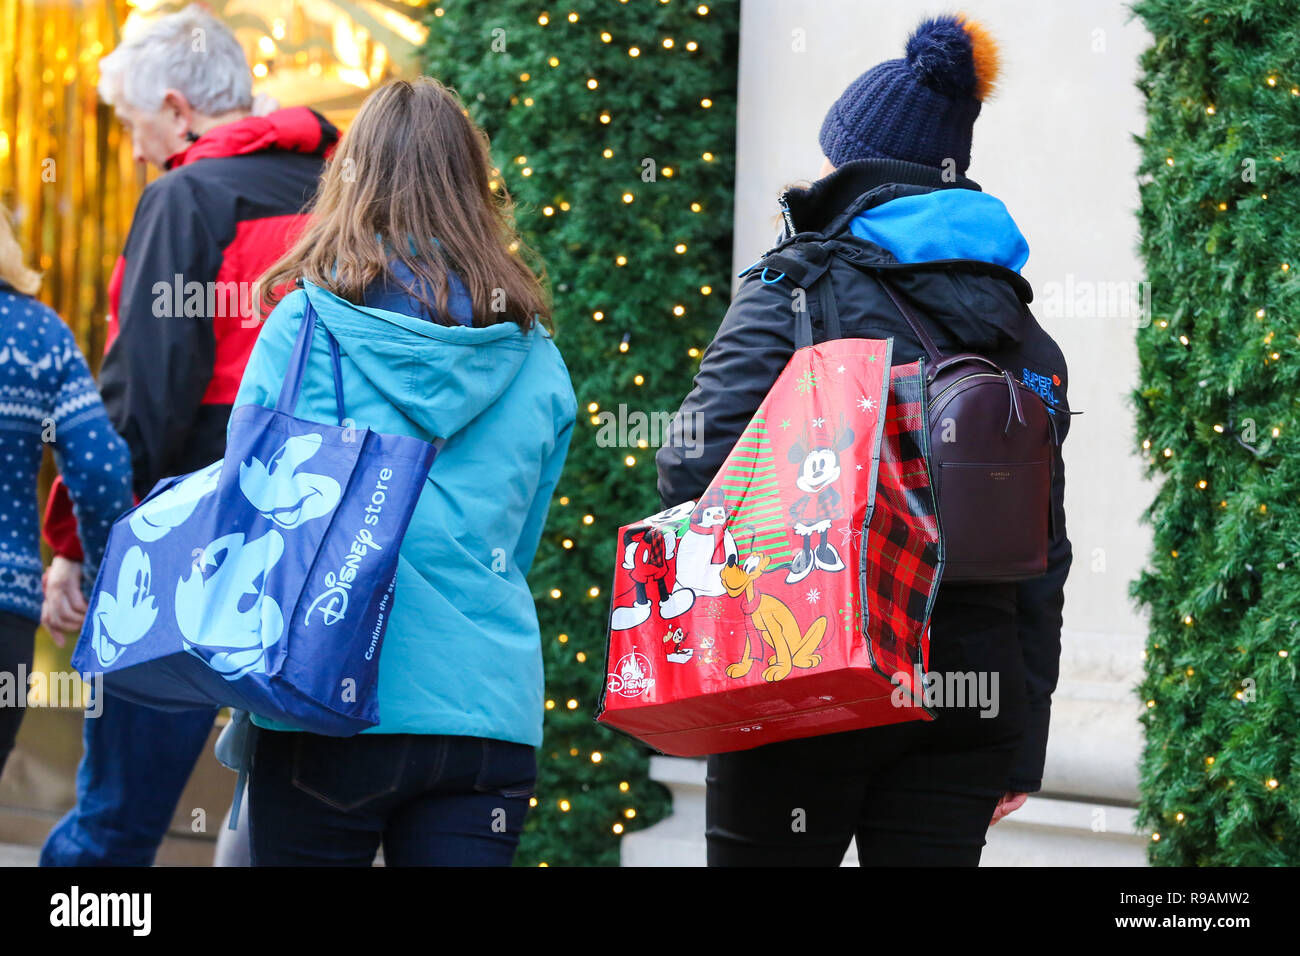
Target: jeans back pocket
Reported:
[(509, 769), (348, 772)]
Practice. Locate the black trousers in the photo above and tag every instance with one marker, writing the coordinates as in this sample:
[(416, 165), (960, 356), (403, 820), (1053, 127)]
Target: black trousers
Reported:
[(918, 793), (17, 643)]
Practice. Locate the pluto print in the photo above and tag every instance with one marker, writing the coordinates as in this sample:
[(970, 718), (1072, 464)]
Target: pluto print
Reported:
[(266, 580)]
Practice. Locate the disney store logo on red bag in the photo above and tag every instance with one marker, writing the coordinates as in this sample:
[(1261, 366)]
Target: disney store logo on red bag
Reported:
[(630, 677)]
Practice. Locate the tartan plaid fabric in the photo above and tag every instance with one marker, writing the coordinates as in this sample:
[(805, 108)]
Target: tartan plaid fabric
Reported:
[(903, 557)]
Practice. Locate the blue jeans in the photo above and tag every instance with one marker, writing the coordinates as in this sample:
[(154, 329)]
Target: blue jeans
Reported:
[(431, 800), (136, 763)]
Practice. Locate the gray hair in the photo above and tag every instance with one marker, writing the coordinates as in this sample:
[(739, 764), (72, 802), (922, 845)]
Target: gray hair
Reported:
[(191, 52)]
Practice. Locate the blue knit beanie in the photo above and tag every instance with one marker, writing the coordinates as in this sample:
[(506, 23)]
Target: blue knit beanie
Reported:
[(921, 108)]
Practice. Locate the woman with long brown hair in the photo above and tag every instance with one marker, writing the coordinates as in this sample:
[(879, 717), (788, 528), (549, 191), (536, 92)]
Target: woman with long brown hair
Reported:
[(411, 262)]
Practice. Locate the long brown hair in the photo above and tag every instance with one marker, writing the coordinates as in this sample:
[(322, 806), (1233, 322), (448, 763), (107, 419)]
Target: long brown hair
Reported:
[(410, 182)]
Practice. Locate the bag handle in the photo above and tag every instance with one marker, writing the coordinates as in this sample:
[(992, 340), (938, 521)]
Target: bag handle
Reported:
[(293, 375), (913, 320)]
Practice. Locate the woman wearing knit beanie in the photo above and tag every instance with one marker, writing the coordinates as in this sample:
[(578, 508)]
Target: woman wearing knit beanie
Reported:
[(894, 204)]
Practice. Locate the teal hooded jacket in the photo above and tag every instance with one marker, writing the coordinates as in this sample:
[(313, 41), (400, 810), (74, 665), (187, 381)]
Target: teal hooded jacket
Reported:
[(462, 654)]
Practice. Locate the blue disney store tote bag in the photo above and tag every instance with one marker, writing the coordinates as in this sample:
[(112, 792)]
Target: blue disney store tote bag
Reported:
[(266, 580)]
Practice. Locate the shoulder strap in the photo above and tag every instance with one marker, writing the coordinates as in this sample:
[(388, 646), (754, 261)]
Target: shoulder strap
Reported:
[(913, 320), (292, 384), (803, 336), (808, 266), (809, 273)]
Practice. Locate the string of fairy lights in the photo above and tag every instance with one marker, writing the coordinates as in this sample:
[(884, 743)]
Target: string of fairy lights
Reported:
[(1261, 314), (607, 118)]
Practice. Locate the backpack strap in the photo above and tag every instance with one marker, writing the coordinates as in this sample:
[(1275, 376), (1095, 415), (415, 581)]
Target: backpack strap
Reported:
[(807, 264), (913, 320), (803, 336)]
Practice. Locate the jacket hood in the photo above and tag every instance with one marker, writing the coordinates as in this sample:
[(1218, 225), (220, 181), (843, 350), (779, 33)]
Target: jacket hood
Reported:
[(295, 130), (944, 224), (952, 249), (822, 205), (440, 377)]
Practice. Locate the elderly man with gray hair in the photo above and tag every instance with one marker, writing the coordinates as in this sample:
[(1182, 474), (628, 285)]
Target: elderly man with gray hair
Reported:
[(181, 325)]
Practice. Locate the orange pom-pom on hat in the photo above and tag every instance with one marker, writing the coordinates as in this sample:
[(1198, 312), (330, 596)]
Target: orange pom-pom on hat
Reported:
[(984, 51)]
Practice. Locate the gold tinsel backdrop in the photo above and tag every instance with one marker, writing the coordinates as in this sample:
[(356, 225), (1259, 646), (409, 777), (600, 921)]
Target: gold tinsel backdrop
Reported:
[(66, 173)]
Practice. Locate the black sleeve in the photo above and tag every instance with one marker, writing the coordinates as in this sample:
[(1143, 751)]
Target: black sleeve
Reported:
[(1039, 603), (752, 346), (159, 366)]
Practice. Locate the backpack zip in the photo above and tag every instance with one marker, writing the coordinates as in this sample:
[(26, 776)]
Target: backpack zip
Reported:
[(934, 402), (785, 214)]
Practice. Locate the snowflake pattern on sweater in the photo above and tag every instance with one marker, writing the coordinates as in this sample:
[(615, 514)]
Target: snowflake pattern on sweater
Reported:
[(47, 395)]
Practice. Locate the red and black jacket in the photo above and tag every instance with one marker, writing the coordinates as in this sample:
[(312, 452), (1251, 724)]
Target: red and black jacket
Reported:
[(180, 324)]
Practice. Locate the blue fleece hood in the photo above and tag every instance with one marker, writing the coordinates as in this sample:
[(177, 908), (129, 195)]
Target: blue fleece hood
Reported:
[(945, 224)]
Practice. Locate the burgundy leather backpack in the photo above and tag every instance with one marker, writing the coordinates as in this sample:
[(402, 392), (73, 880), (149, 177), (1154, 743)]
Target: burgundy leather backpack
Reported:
[(991, 454)]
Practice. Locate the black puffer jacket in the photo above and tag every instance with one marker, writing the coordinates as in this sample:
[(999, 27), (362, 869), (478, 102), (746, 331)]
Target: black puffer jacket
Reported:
[(971, 305)]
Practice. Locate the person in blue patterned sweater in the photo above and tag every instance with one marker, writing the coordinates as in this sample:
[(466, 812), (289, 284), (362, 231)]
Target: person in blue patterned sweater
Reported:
[(47, 395)]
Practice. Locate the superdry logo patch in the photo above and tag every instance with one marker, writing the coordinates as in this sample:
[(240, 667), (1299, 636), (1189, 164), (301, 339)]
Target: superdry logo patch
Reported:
[(1043, 385)]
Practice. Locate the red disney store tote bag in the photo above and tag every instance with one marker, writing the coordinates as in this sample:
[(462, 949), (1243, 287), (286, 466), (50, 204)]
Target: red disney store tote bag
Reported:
[(793, 599)]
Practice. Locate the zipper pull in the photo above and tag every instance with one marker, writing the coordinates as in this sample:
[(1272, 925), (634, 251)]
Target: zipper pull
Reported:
[(785, 214)]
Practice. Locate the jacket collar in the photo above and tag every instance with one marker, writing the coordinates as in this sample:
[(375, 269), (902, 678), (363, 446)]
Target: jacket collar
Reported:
[(295, 130), (828, 206), (830, 202)]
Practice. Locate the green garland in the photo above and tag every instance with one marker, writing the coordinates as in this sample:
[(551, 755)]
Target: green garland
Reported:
[(1218, 419), (621, 164)]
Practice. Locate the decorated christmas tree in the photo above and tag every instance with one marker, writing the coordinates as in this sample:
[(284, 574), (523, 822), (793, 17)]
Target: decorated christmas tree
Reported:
[(1218, 424), (612, 124)]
